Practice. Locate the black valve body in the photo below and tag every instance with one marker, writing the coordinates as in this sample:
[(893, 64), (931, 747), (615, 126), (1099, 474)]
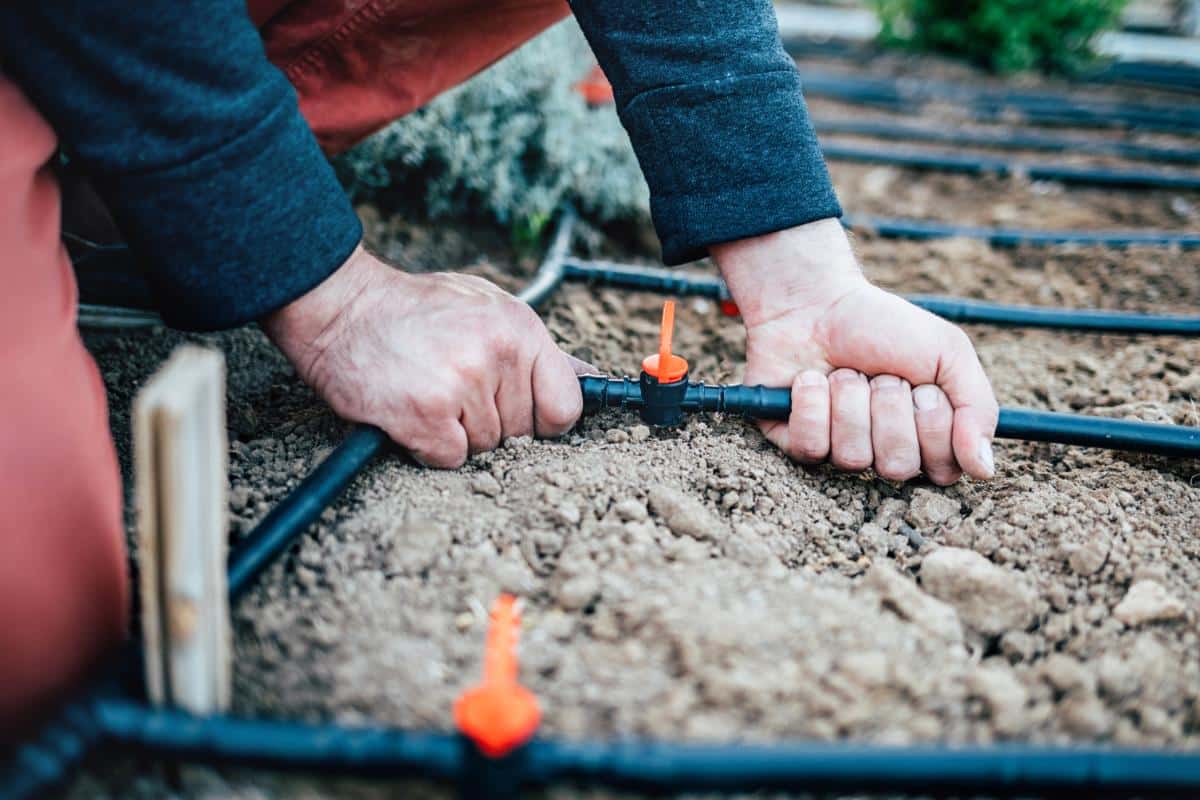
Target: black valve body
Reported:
[(662, 403)]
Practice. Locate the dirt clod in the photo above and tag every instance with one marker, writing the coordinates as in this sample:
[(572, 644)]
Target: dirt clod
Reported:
[(1148, 601), (685, 515), (988, 598)]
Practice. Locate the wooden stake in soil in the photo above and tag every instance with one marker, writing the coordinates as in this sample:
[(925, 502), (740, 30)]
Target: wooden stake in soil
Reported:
[(181, 466)]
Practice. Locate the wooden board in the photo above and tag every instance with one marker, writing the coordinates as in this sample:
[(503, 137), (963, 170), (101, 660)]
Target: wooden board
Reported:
[(180, 460)]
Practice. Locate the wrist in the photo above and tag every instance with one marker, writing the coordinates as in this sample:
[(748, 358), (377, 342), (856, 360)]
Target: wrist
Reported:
[(300, 327), (806, 266)]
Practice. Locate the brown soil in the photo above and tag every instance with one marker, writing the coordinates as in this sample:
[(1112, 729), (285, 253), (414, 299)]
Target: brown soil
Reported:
[(694, 584)]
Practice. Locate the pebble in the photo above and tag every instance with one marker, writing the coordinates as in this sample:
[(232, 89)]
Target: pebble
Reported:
[(988, 598), (639, 433), (1004, 696), (685, 515), (418, 542), (1148, 601), (930, 509), (483, 483), (616, 436), (1066, 674), (577, 592), (1083, 714), (631, 510)]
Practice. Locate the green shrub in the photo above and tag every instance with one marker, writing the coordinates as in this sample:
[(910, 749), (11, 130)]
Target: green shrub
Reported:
[(509, 145), (1002, 35)]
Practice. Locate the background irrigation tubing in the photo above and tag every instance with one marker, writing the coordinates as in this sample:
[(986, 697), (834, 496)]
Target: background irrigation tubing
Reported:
[(666, 281), (991, 165), (903, 94), (1008, 140), (919, 229)]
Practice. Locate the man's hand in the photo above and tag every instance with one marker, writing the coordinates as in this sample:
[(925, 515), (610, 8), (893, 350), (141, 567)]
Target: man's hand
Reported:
[(446, 364), (875, 380)]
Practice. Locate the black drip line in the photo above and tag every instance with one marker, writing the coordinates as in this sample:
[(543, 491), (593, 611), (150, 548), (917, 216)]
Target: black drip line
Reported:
[(102, 719)]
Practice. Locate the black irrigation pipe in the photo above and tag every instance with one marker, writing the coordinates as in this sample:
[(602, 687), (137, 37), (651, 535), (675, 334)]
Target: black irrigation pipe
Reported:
[(1007, 140), (656, 768), (683, 284), (919, 229), (973, 164), (304, 504), (905, 94), (762, 402)]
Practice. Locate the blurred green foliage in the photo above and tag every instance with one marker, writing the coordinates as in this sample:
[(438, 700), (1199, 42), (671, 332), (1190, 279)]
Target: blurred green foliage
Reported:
[(1001, 35), (508, 146)]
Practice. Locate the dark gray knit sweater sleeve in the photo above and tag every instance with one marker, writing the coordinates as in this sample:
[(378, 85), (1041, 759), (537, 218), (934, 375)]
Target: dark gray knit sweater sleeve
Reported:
[(713, 106), (195, 141)]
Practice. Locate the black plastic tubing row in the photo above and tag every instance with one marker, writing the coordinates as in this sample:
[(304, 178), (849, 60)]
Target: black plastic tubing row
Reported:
[(991, 165), (658, 768), (1006, 140), (905, 94), (674, 282), (762, 402), (919, 229)]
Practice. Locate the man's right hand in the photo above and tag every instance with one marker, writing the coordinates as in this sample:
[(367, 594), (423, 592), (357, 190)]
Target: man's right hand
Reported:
[(446, 364)]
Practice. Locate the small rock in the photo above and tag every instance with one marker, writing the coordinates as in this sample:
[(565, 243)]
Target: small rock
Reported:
[(930, 509), (239, 497), (639, 433), (483, 483), (867, 669), (988, 598), (631, 510), (417, 542), (905, 598), (1004, 695), (1083, 714), (874, 540), (1066, 674), (567, 514), (747, 547), (1148, 601), (1018, 646), (1086, 554), (616, 436), (685, 515), (578, 592)]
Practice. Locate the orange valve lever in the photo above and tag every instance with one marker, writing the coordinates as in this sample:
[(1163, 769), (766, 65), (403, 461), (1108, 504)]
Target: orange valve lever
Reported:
[(499, 715), (666, 367)]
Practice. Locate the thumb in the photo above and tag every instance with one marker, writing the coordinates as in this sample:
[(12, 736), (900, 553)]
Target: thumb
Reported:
[(582, 367)]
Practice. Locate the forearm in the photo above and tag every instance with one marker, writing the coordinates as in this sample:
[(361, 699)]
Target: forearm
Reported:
[(714, 109), (196, 144)]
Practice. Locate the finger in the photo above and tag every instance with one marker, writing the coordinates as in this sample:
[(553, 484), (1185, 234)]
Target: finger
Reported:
[(557, 399), (442, 446), (850, 420), (962, 378), (481, 420), (514, 401), (893, 429), (935, 424), (806, 435)]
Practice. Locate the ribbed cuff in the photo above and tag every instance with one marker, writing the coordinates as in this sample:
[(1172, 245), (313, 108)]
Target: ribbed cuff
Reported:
[(729, 159), (241, 231)]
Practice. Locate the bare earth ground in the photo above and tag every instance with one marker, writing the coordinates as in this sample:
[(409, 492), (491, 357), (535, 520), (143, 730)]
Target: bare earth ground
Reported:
[(694, 584)]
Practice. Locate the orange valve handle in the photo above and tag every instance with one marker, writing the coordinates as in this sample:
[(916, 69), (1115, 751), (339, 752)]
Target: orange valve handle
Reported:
[(665, 367), (499, 715)]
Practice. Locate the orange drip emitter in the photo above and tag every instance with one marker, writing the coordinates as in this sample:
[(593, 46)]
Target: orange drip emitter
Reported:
[(664, 366), (499, 715)]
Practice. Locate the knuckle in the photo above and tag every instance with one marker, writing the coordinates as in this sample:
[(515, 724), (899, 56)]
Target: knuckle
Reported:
[(898, 468)]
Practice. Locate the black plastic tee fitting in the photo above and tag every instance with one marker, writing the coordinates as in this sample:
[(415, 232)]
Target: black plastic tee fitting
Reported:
[(662, 403)]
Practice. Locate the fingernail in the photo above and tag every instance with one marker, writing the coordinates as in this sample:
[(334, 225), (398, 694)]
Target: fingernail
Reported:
[(810, 377), (885, 381), (986, 456), (926, 397)]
